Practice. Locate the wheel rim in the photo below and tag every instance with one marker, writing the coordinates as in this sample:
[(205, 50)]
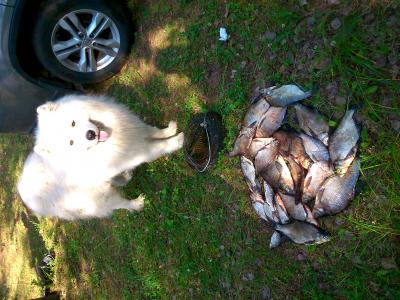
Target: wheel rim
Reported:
[(85, 40)]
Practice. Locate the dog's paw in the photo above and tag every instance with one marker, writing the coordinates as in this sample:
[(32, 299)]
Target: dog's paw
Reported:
[(180, 138), (172, 128), (138, 203)]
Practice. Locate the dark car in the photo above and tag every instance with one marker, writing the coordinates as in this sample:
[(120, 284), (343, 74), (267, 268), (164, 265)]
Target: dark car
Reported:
[(47, 47)]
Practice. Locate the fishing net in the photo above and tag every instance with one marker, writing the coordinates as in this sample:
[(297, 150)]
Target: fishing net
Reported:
[(203, 140)]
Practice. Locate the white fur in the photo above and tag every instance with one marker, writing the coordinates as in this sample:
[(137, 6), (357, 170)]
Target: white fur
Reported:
[(78, 180)]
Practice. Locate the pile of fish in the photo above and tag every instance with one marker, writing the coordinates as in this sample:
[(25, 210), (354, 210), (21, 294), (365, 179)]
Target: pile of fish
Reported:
[(296, 177)]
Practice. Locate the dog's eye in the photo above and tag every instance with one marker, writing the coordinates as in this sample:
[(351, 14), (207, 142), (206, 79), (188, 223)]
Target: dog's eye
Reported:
[(71, 142), (73, 124)]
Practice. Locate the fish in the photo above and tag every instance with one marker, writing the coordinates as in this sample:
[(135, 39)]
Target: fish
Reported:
[(256, 145), (277, 174), (297, 173), (336, 192), (314, 148), (303, 233), (271, 121), (258, 205), (291, 144), (255, 112), (312, 123), (276, 240), (315, 177), (265, 156), (250, 176), (270, 209), (342, 165), (286, 95), (285, 181), (280, 207), (344, 138), (297, 211), (243, 140)]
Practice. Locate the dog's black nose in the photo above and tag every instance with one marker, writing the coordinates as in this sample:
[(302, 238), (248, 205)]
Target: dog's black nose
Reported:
[(90, 135)]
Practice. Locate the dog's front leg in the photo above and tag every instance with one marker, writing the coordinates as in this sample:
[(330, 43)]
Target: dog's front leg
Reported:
[(117, 202)]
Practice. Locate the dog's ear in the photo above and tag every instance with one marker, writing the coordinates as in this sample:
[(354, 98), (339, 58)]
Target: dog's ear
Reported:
[(47, 107), (42, 151)]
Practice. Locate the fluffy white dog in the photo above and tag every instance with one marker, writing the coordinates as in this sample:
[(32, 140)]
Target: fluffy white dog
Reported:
[(85, 146)]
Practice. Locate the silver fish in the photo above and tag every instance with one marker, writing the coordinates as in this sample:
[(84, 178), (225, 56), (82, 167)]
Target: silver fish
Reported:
[(286, 95), (342, 165), (255, 112), (277, 174), (266, 155), (344, 138), (312, 123), (336, 192), (249, 173), (297, 173), (315, 177), (270, 209), (285, 181), (258, 205), (276, 240), (297, 211), (256, 145), (271, 121), (243, 140), (282, 212), (303, 233), (315, 149), (292, 145)]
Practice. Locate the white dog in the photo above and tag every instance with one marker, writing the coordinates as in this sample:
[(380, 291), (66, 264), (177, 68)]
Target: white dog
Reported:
[(85, 146)]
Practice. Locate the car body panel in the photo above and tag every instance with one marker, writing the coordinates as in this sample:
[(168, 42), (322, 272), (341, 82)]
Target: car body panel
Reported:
[(8, 2), (19, 94)]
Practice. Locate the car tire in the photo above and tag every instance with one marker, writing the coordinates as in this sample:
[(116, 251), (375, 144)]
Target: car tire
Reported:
[(89, 50)]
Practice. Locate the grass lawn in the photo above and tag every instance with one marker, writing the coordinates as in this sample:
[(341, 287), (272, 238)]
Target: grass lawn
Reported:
[(198, 236)]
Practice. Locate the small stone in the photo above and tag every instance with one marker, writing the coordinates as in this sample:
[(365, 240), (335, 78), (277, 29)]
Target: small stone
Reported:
[(222, 247), (266, 293), (303, 2), (301, 257), (388, 263), (334, 2), (340, 100), (335, 24), (392, 58), (395, 125), (270, 36), (248, 277)]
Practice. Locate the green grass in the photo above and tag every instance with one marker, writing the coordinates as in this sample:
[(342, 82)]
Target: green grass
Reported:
[(198, 236)]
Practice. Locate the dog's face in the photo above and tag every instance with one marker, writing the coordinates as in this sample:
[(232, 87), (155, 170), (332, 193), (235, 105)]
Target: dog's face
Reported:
[(66, 130)]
